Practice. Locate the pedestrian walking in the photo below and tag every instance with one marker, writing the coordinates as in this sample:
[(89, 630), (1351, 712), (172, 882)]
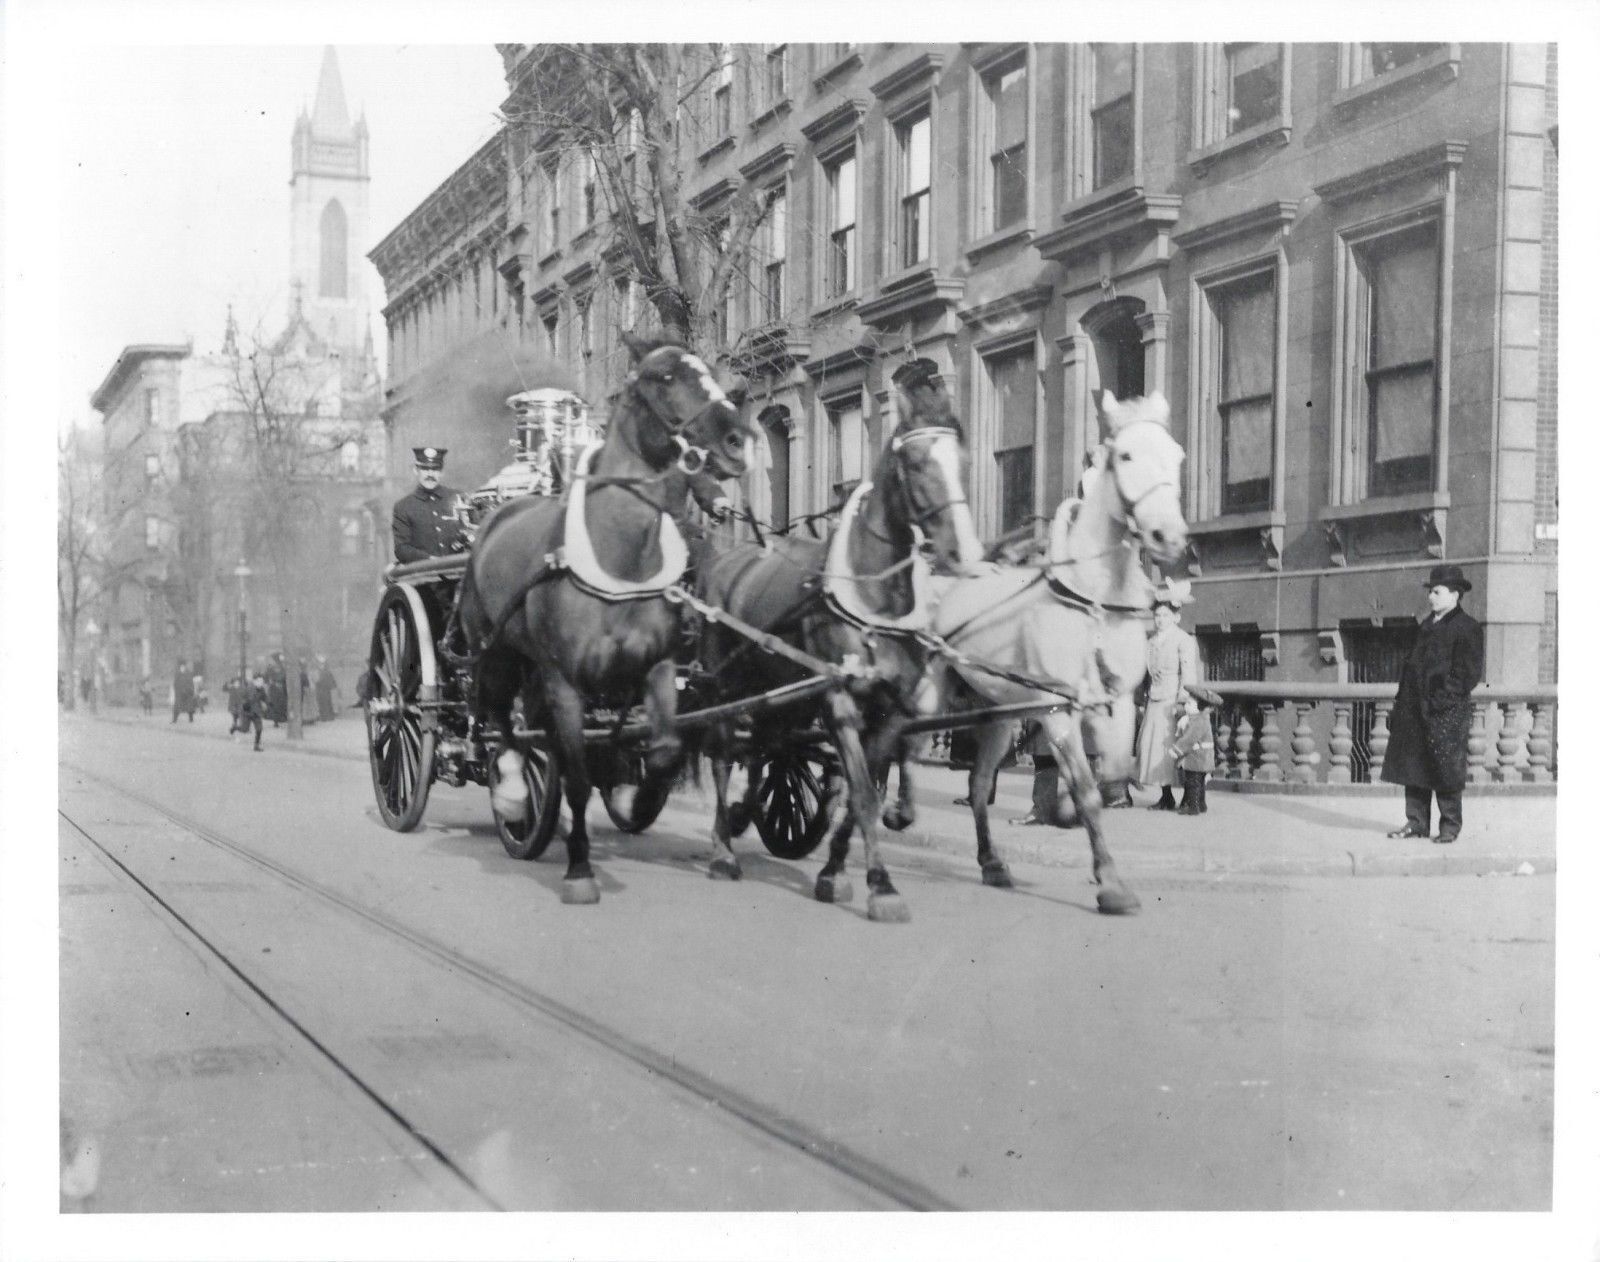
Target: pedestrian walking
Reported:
[(147, 696), (252, 706), (276, 681), (327, 685), (1172, 664), (1194, 749), (182, 691), (1433, 710)]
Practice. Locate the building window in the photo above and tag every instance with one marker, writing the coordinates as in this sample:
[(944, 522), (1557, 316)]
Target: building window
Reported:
[(775, 242), (1004, 139), (626, 301), (915, 139), (847, 447), (724, 91), (777, 74), (1254, 83), (152, 406), (585, 327), (840, 177), (552, 203), (1112, 113), (152, 467), (350, 456), (1238, 389), (1396, 309), (1011, 387), (152, 533), (591, 189), (1373, 60), (552, 328), (349, 534), (333, 238)]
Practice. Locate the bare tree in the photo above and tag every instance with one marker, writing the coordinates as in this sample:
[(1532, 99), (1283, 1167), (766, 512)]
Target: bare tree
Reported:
[(270, 460), (635, 112)]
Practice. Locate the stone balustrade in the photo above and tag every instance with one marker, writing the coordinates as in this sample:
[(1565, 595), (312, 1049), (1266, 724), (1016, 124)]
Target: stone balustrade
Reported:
[(1339, 733)]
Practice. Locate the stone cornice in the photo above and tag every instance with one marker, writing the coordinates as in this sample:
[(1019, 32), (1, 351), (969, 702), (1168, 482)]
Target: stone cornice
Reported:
[(770, 350), (833, 123), (985, 56), (580, 275), (1102, 221), (1423, 163), (901, 297), (713, 194), (547, 295), (912, 78), (1007, 307), (849, 359), (769, 161), (1274, 216)]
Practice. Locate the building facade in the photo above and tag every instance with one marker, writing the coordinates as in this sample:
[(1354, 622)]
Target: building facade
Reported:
[(179, 487), (1336, 261)]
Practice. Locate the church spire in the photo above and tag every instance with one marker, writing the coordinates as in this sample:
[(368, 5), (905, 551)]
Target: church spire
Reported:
[(330, 117), (230, 334)]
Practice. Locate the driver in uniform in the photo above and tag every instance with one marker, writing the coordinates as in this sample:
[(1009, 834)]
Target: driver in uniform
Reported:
[(425, 523)]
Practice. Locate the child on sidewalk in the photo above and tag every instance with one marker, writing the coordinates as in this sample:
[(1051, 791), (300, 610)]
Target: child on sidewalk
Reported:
[(1194, 747)]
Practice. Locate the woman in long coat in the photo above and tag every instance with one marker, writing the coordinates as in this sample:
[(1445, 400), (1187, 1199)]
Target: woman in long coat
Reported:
[(1172, 660), (1433, 709)]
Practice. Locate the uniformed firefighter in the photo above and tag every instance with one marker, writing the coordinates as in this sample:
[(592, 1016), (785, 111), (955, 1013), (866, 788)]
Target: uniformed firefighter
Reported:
[(425, 523)]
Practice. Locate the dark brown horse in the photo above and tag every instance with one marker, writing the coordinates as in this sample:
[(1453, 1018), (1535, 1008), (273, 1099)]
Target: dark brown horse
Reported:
[(852, 599), (596, 628)]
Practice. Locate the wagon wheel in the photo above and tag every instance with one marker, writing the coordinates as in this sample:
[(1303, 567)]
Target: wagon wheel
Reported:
[(399, 745), (791, 800), (638, 814), (529, 838)]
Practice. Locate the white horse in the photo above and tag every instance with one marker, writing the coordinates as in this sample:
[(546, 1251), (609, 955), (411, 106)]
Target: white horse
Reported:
[(1078, 622)]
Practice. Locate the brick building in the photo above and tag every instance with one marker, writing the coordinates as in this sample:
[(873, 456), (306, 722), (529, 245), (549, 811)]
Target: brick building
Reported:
[(1336, 261)]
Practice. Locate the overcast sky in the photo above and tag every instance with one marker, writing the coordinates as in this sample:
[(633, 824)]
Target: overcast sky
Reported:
[(175, 188)]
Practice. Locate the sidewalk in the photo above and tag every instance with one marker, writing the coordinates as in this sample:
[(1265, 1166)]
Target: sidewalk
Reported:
[(1261, 833)]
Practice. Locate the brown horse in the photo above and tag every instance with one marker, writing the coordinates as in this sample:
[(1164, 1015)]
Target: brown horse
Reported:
[(853, 599), (595, 627)]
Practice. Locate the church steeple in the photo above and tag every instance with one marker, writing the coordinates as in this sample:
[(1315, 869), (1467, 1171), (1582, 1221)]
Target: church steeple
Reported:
[(328, 194)]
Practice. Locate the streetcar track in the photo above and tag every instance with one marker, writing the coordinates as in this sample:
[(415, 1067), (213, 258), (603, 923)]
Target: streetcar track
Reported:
[(788, 1132), (283, 1014)]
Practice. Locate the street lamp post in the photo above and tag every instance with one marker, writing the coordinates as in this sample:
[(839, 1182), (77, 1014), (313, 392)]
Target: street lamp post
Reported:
[(242, 572)]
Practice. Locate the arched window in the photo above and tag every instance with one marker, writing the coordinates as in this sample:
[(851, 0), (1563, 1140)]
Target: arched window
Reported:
[(333, 234)]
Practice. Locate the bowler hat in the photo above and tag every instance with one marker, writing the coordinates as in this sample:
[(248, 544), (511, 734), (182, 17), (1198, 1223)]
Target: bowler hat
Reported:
[(919, 372), (428, 457), (1448, 576)]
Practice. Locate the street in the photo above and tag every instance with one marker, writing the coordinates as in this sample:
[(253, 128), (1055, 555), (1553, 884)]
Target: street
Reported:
[(271, 1002)]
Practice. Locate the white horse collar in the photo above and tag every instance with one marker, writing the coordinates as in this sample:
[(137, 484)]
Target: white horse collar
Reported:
[(577, 549), (842, 588)]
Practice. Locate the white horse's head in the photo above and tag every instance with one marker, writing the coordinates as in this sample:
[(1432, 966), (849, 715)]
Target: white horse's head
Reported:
[(1145, 462)]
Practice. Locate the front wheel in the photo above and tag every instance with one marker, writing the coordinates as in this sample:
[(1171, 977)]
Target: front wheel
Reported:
[(793, 792), (399, 746), (530, 837)]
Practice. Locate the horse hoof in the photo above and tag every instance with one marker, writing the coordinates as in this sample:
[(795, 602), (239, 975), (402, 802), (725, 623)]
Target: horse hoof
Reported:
[(889, 909), (580, 892), (997, 875), (834, 889), (725, 870), (897, 819), (1116, 902)]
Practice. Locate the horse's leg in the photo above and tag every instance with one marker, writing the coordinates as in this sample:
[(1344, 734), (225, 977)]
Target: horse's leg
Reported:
[(664, 754), (564, 708), (1114, 740), (1113, 898), (902, 813), (993, 741), (499, 679), (724, 863), (843, 719), (883, 900)]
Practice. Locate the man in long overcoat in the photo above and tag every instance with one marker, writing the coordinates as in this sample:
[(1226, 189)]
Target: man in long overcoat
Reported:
[(1433, 709), (182, 691)]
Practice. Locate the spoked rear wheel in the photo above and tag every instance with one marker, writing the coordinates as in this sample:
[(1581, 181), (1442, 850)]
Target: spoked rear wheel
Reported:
[(399, 745), (530, 837), (791, 799)]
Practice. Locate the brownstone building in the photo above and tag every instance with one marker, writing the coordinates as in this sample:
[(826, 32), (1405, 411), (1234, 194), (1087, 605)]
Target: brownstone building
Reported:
[(1336, 261)]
